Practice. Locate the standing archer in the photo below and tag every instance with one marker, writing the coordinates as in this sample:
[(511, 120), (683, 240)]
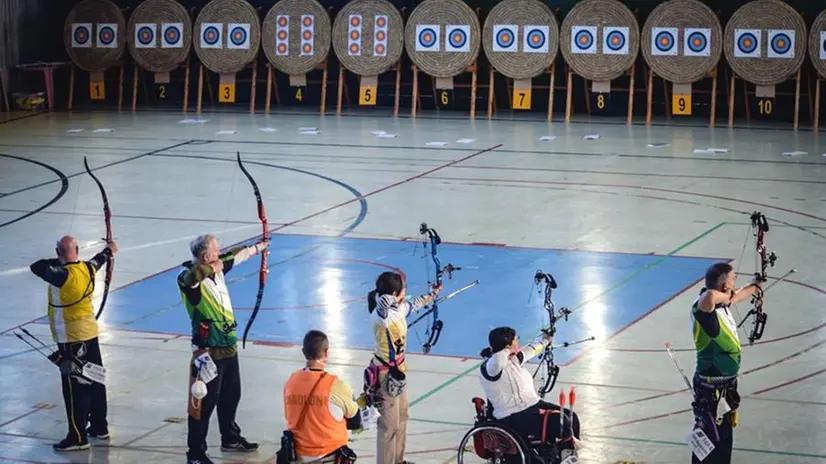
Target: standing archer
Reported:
[(75, 330), (389, 308), (204, 292), (718, 358)]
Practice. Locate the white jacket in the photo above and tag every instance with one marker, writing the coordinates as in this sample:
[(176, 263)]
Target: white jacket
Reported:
[(514, 390)]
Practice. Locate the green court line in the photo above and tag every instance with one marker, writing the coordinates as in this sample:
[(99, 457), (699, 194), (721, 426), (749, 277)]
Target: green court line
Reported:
[(589, 436), (623, 282)]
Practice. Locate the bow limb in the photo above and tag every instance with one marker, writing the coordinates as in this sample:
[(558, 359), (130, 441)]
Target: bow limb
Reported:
[(107, 217), (265, 235)]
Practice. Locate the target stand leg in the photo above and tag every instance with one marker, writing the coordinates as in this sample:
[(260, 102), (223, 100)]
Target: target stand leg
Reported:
[(552, 72), (415, 103), (323, 105), (491, 92), (569, 96), (817, 105), (268, 97)]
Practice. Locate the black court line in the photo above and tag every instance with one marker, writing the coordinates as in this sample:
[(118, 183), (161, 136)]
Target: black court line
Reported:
[(131, 158), (64, 181), (25, 116)]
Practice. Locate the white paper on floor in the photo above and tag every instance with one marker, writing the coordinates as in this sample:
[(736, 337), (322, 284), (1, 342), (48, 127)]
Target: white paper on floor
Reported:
[(267, 129), (105, 129), (794, 153), (547, 138), (386, 136), (465, 140), (658, 145), (192, 121), (307, 129), (310, 132), (711, 150), (377, 133), (74, 131), (591, 137), (225, 132), (436, 144)]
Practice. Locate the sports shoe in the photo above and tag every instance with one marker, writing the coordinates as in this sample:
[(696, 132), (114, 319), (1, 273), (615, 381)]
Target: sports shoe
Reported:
[(200, 460), (68, 444), (99, 434), (242, 445)]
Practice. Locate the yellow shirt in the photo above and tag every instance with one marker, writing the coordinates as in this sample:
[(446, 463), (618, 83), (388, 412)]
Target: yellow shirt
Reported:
[(71, 312), (390, 326)]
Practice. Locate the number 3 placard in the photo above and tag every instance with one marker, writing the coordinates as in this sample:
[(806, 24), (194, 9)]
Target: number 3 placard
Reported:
[(226, 93)]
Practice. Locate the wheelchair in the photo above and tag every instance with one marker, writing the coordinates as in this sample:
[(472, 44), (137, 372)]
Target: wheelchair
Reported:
[(494, 442)]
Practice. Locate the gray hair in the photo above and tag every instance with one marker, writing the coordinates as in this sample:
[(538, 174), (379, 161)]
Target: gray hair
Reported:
[(199, 246)]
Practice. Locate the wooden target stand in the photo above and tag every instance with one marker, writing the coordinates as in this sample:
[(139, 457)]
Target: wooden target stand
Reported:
[(300, 84), (97, 85), (227, 85), (816, 116), (520, 92), (161, 84), (369, 88), (442, 86), (680, 103), (601, 92), (765, 97)]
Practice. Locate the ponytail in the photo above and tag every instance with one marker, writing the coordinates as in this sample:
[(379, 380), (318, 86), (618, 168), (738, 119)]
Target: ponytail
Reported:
[(486, 353), (388, 283), (371, 301)]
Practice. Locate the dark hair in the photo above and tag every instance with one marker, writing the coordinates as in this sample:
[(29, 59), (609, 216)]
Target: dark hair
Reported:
[(388, 283), (715, 273), (498, 339), (315, 343)]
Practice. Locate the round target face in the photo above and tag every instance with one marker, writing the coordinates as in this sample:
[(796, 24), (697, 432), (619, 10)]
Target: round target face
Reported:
[(664, 41), (238, 36), (697, 42), (172, 35), (458, 38), (106, 35), (145, 35), (81, 35), (354, 48), (355, 21), (380, 49), (308, 48), (615, 40), (282, 35), (381, 22), (504, 38), (427, 37), (747, 42), (282, 22), (354, 35), (308, 35), (781, 43), (308, 21), (282, 48), (211, 35), (584, 39), (380, 35), (536, 38)]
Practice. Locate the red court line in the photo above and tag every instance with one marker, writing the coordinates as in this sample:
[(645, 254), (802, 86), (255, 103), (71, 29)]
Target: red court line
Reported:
[(21, 416)]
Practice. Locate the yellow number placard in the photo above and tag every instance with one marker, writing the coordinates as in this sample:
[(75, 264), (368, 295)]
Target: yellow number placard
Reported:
[(521, 99), (765, 106), (443, 97), (681, 104), (299, 94), (97, 90), (367, 95), (226, 93)]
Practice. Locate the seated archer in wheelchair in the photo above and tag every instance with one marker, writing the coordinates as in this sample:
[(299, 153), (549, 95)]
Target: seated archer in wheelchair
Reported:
[(512, 400)]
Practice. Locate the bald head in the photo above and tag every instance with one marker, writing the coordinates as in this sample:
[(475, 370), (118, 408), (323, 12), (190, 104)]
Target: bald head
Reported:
[(67, 249)]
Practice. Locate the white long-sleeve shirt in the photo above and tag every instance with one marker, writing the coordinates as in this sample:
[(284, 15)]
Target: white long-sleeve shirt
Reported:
[(514, 390)]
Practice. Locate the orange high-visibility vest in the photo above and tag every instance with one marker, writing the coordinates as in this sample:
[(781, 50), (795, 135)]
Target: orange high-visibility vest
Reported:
[(320, 433)]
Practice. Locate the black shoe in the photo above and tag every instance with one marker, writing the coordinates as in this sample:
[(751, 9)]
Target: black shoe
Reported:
[(99, 434), (68, 444), (201, 460), (242, 445)]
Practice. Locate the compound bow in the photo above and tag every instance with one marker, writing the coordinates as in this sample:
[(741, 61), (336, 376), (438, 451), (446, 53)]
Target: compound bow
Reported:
[(547, 371), (107, 217), (262, 273), (759, 225), (435, 328)]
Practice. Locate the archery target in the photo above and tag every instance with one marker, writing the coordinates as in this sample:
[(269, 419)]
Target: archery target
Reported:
[(664, 41), (354, 36), (380, 35), (781, 43), (584, 39), (211, 35), (747, 43), (145, 35), (697, 42), (82, 35), (239, 36), (458, 38), (107, 35), (307, 35), (535, 39), (427, 37), (615, 40), (282, 35), (172, 35), (504, 38), (823, 45)]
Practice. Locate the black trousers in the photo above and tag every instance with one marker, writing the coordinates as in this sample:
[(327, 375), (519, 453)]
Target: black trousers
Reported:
[(85, 401), (223, 392), (706, 398), (529, 423)]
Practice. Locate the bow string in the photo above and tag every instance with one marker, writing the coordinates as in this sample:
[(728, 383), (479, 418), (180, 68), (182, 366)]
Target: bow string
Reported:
[(107, 217)]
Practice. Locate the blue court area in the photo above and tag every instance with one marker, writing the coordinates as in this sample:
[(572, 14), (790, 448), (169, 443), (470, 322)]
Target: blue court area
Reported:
[(321, 283)]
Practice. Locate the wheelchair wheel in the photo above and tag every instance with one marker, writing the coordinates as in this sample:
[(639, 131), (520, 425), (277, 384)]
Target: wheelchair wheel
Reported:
[(492, 444)]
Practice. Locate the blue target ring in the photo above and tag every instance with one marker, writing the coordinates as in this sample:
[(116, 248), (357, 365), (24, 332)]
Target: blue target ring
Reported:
[(106, 35), (238, 36), (664, 41), (504, 38), (146, 35), (211, 34), (81, 35), (536, 39), (781, 43), (584, 40), (747, 43), (427, 37), (457, 38), (615, 40), (172, 35), (697, 42)]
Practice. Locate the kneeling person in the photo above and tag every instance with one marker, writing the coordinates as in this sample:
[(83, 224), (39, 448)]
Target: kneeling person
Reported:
[(319, 407)]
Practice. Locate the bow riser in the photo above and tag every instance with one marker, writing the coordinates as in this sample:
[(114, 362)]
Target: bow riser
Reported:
[(760, 225)]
